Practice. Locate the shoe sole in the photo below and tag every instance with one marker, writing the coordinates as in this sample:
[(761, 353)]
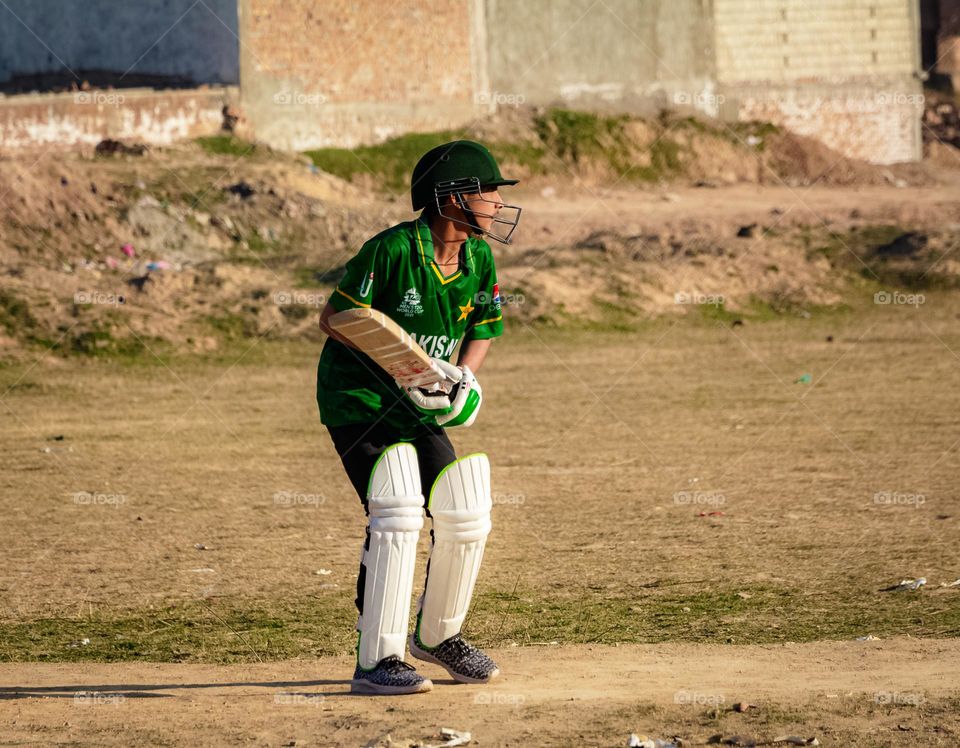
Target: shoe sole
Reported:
[(373, 689), (422, 654)]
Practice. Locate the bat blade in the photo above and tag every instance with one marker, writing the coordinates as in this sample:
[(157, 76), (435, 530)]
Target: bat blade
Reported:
[(388, 344)]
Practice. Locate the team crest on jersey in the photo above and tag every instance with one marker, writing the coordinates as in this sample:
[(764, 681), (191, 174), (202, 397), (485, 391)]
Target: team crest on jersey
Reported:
[(411, 306)]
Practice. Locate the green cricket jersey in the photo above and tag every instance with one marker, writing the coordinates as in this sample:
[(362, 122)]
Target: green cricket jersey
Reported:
[(395, 272)]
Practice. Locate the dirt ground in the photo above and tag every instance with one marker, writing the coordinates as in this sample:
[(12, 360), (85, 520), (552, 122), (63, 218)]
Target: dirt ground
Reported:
[(607, 467), (695, 504), (604, 482), (898, 692)]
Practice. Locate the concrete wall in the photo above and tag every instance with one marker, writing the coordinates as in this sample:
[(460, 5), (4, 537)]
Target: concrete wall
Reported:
[(183, 38), (621, 54), (357, 71), (841, 72)]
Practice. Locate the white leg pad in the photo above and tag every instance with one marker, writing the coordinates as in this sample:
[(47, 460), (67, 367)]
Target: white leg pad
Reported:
[(395, 502), (460, 504)]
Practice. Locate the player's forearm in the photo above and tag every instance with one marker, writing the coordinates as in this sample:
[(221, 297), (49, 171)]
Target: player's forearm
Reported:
[(473, 352)]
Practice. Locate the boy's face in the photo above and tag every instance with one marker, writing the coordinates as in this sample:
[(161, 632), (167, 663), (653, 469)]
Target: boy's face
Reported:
[(484, 206)]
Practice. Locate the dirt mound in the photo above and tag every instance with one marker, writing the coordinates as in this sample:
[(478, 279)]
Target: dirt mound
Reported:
[(797, 159), (178, 246), (604, 149), (615, 279), (162, 202), (188, 248), (551, 146), (45, 200)]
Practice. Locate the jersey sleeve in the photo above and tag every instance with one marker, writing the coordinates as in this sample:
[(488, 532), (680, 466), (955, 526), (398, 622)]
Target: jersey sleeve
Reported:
[(365, 274), (486, 320)]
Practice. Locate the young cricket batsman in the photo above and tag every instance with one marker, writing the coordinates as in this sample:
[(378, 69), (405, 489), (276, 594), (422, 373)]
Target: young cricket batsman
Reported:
[(435, 277)]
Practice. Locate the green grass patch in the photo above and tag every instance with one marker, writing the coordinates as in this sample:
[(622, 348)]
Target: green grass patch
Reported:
[(767, 615), (718, 313), (192, 186), (688, 123), (856, 253), (581, 138), (273, 250), (740, 133), (389, 163), (103, 338), (227, 145), (769, 310), (530, 158), (664, 161), (297, 312), (189, 632), (241, 630), (616, 315), (232, 326), (101, 342), (842, 248), (261, 245), (576, 136), (15, 316), (737, 133)]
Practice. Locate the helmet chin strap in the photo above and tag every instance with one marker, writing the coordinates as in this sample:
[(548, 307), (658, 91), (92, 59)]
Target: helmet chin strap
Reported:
[(471, 222), (468, 212)]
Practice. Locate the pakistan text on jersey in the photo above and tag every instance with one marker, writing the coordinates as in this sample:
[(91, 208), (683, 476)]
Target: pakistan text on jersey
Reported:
[(437, 346)]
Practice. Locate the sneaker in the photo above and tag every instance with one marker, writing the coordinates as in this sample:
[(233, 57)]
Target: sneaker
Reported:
[(391, 676), (463, 661)]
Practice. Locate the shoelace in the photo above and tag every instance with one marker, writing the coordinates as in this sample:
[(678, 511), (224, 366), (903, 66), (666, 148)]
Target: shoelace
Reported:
[(395, 665), (461, 647)]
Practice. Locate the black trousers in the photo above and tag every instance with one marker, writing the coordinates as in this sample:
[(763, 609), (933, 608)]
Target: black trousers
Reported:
[(359, 446)]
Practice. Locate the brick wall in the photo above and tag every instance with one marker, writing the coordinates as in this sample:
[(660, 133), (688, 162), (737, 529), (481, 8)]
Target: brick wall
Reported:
[(869, 121), (814, 40), (351, 71), (840, 72)]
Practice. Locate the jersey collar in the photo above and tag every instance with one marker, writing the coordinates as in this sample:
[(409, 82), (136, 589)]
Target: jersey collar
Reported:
[(423, 247)]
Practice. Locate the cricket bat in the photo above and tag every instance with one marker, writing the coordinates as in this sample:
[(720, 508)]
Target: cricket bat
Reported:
[(389, 345)]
